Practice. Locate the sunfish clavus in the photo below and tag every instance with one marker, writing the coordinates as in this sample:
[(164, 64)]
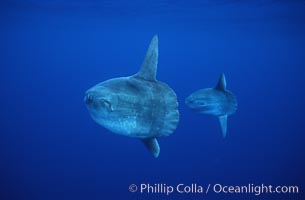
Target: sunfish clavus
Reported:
[(137, 106)]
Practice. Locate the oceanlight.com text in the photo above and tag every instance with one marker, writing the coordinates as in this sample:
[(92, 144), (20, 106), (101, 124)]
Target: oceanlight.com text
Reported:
[(255, 189), (195, 188)]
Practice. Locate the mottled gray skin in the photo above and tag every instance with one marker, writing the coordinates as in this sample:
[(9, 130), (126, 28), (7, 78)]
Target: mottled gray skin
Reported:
[(137, 106), (212, 101), (131, 106), (217, 101)]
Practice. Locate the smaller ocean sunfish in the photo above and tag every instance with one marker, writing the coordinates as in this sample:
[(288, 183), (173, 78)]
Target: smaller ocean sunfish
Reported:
[(137, 106), (217, 101)]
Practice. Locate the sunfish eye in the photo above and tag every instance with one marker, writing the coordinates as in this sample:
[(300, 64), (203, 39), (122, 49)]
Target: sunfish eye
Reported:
[(201, 103), (107, 104)]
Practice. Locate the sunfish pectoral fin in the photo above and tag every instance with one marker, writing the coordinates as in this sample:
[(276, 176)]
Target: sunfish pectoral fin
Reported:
[(152, 146), (223, 124), (148, 69), (222, 83)]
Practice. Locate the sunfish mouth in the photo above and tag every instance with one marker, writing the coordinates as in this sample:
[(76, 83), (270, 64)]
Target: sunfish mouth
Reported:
[(195, 104), (97, 102), (88, 99), (91, 100)]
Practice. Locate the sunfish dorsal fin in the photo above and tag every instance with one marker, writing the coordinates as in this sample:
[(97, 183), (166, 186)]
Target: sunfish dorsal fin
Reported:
[(152, 146), (148, 69), (223, 124), (222, 83)]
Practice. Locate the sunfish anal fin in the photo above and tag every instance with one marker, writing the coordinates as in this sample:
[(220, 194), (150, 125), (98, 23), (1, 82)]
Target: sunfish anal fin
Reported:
[(148, 69), (152, 146), (222, 84), (223, 124)]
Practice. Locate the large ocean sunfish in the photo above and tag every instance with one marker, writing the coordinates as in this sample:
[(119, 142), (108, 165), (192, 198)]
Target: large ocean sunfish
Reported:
[(217, 101), (137, 106)]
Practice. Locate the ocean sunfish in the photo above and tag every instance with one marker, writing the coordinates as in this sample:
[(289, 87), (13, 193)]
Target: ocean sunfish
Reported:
[(217, 101), (137, 106)]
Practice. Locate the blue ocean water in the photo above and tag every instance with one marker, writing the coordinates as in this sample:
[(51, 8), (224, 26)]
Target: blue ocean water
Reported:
[(53, 51)]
